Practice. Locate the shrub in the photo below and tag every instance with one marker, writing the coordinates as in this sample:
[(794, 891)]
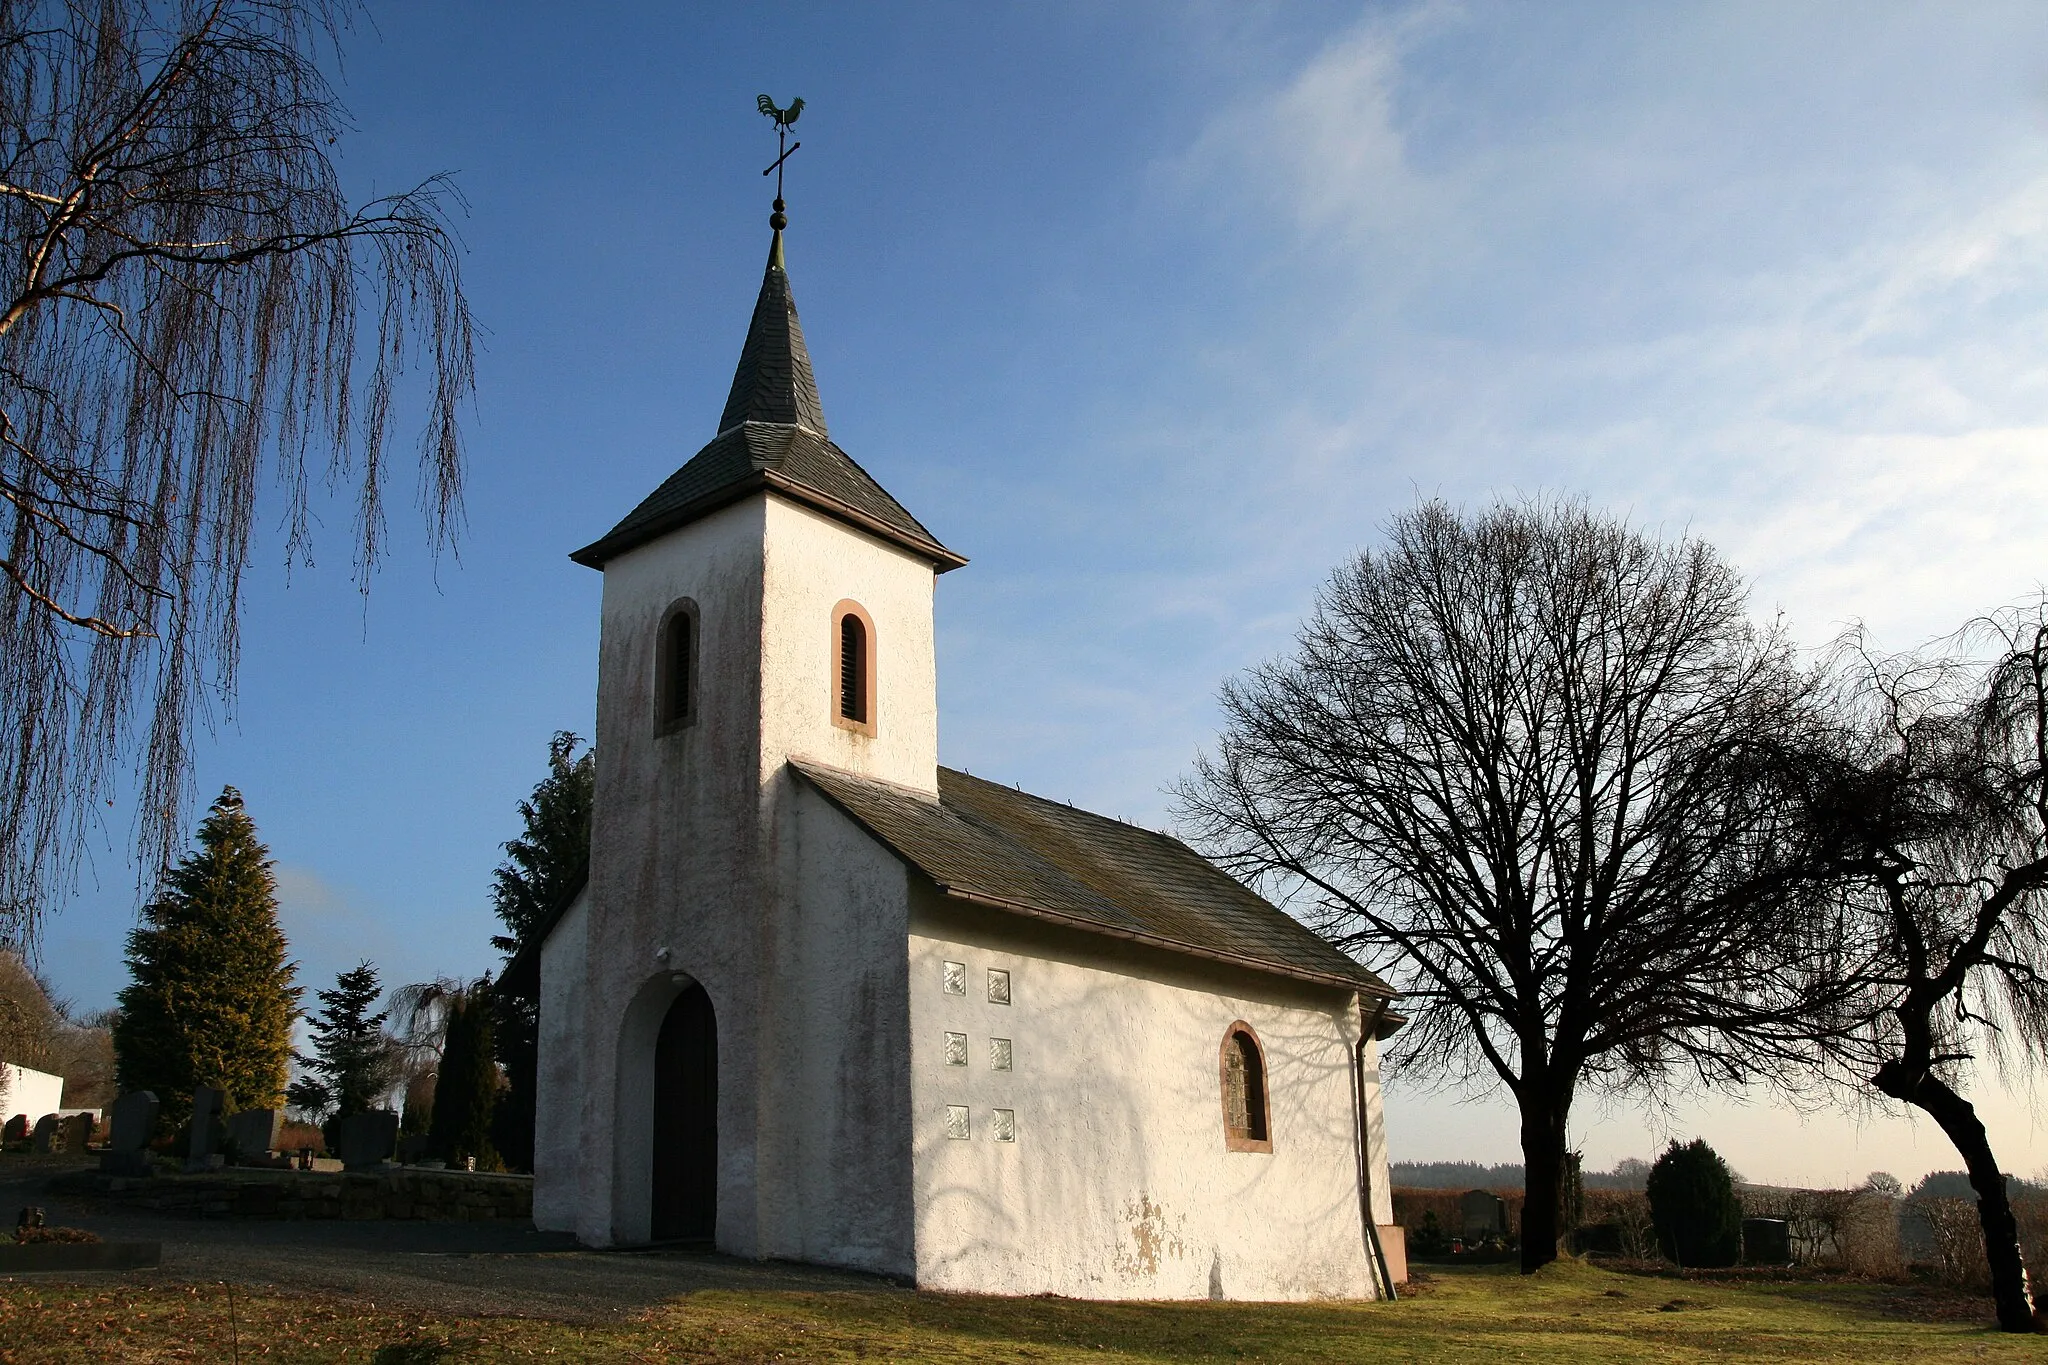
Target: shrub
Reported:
[(1430, 1238), (1854, 1230), (1625, 1217), (1692, 1202)]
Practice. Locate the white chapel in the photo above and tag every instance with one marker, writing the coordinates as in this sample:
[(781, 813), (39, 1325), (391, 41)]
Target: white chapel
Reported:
[(823, 1000)]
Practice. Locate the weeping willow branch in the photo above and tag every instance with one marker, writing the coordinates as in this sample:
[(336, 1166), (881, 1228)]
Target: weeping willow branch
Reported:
[(183, 289)]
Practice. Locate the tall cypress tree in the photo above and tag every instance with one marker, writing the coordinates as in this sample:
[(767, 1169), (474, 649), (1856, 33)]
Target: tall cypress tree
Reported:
[(466, 1091), (212, 997), (541, 866)]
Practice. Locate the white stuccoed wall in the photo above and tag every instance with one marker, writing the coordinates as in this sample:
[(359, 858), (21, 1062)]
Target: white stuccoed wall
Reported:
[(814, 563), (1119, 1184), (24, 1090), (697, 847), (835, 1159), (558, 1151)]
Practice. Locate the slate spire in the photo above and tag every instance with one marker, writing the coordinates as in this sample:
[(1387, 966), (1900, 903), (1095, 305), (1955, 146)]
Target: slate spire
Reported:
[(774, 383), (772, 439)]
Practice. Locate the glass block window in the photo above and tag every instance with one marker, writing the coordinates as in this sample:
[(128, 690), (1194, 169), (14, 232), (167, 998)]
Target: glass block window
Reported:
[(1004, 1125), (998, 987), (956, 978), (956, 1122), (956, 1049), (999, 1054)]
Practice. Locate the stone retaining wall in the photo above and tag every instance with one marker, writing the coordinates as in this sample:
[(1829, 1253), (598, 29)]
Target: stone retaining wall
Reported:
[(402, 1192)]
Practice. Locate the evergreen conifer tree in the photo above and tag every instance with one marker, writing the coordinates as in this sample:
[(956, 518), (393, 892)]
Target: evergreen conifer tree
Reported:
[(212, 998), (466, 1090), (353, 1061), (1693, 1206), (542, 866)]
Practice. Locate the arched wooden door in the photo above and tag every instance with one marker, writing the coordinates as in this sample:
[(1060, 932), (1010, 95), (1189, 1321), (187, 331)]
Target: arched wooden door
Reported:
[(686, 1120)]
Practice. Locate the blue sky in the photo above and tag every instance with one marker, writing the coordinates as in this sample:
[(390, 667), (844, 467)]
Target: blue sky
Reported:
[(1157, 312)]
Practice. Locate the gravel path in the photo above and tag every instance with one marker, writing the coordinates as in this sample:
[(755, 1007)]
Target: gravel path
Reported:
[(467, 1269)]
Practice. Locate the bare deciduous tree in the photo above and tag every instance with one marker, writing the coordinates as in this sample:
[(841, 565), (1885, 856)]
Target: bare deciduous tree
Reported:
[(1937, 818), (44, 1034), (1524, 764), (179, 291)]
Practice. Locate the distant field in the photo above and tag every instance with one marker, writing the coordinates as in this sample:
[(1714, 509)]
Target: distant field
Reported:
[(1570, 1313)]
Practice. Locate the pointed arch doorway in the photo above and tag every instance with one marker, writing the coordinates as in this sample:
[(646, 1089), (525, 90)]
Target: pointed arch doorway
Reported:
[(686, 1120)]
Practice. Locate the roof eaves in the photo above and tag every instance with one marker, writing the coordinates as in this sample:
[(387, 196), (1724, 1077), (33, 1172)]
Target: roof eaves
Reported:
[(617, 542), (609, 547), (1268, 967), (942, 558)]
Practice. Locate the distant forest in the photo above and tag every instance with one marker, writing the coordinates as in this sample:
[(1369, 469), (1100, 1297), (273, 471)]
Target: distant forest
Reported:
[(1630, 1175), (1470, 1175)]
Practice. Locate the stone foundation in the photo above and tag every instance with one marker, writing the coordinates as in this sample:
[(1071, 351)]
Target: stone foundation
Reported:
[(398, 1193)]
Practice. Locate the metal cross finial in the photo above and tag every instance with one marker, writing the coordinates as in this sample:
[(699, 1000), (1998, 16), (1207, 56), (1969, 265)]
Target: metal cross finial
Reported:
[(784, 118)]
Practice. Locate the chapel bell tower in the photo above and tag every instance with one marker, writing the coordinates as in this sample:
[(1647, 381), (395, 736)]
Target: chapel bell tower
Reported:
[(769, 600)]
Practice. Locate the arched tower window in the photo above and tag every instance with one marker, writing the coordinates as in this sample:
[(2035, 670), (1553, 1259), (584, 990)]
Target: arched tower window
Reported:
[(675, 670), (1245, 1127), (853, 668)]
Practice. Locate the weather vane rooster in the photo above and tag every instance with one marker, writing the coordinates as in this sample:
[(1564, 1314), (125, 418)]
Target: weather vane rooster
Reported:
[(785, 119)]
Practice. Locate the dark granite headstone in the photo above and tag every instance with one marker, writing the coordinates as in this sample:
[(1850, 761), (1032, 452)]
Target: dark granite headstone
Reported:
[(207, 1103), (1482, 1214), (133, 1121), (16, 1129), (255, 1133), (1766, 1241), (76, 1132), (131, 1124), (368, 1139), (49, 1135)]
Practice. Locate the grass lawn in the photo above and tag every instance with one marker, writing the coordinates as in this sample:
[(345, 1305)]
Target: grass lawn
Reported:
[(1569, 1313)]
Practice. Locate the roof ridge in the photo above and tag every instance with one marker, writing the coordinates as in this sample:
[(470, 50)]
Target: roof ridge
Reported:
[(1070, 806)]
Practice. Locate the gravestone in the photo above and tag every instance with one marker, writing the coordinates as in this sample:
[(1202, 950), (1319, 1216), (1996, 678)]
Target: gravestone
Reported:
[(207, 1103), (1482, 1214), (76, 1132), (49, 1134), (16, 1129), (1766, 1241), (255, 1133), (367, 1139), (131, 1123)]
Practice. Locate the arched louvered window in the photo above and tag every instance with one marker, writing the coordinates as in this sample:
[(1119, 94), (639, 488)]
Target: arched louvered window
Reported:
[(675, 670), (853, 668), (1245, 1127)]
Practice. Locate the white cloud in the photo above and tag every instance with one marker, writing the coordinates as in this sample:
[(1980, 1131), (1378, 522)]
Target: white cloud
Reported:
[(1803, 316)]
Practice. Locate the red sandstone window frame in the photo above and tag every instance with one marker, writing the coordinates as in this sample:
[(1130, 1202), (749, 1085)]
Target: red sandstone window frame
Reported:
[(864, 723), (1257, 1134), (674, 709)]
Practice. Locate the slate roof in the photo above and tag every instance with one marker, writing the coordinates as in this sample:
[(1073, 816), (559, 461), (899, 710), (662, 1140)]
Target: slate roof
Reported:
[(998, 846), (772, 437), (774, 382)]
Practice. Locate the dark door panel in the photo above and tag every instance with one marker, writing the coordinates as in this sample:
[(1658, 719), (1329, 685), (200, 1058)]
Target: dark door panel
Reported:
[(686, 1120)]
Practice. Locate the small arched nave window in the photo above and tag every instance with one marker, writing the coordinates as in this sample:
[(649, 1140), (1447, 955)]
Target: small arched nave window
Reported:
[(1245, 1123), (675, 669), (853, 668)]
